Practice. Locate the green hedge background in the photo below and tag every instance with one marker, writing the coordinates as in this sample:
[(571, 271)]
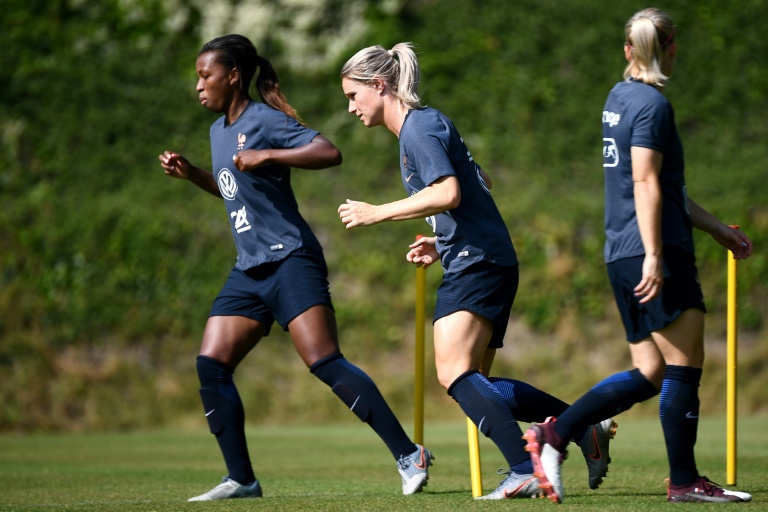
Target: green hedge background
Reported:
[(108, 268)]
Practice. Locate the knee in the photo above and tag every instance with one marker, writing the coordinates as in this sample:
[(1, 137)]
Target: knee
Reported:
[(450, 369), (651, 364), (446, 378), (215, 385), (209, 366), (653, 372), (317, 367)]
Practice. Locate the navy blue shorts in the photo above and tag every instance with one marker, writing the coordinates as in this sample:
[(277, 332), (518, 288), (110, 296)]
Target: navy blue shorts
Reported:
[(483, 288), (278, 291), (681, 291)]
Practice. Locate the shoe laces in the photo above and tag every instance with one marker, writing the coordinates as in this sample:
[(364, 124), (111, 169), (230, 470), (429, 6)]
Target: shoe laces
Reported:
[(503, 471), (702, 483), (708, 486), (404, 462)]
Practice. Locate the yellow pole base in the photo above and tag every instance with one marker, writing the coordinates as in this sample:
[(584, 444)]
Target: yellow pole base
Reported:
[(474, 459)]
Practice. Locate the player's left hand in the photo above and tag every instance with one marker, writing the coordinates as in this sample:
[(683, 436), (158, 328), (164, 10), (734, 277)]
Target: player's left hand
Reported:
[(423, 252), (734, 240), (250, 159)]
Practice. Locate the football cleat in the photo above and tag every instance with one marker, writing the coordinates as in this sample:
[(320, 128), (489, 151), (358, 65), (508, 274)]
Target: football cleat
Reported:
[(515, 486), (228, 488), (546, 459), (414, 470), (594, 447), (703, 490)]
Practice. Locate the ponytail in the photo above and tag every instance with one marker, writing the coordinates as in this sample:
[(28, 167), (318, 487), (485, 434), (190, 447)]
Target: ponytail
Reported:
[(269, 89), (648, 35), (398, 68), (408, 80)]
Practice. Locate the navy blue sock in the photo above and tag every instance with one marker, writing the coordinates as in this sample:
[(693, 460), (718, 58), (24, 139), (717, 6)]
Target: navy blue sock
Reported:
[(679, 414), (226, 417), (485, 406), (356, 389), (530, 404), (607, 398)]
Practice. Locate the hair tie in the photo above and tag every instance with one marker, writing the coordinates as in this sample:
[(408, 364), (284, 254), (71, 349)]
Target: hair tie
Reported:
[(670, 38)]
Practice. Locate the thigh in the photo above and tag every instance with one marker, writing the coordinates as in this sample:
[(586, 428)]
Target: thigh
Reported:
[(682, 341), (485, 289), (228, 339), (314, 334), (461, 343), (647, 357)]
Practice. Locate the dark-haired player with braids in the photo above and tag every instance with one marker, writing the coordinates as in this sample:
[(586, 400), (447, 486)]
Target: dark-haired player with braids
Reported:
[(280, 274)]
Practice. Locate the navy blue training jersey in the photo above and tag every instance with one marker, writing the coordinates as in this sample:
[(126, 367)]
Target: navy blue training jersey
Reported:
[(637, 114), (261, 206), (430, 148)]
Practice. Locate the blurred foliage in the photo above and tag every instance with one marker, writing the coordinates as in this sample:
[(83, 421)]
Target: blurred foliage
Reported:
[(108, 268)]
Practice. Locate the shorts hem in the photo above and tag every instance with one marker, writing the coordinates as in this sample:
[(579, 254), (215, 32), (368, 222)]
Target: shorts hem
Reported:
[(661, 325), (304, 310), (472, 308)]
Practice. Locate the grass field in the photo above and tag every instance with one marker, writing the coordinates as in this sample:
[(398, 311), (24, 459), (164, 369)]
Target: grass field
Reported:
[(341, 468)]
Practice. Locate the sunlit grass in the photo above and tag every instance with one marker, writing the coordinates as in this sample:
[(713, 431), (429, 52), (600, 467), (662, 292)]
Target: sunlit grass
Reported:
[(332, 468)]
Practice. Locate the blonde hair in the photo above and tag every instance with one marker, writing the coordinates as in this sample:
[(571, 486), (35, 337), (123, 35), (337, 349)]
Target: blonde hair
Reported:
[(398, 68), (648, 34)]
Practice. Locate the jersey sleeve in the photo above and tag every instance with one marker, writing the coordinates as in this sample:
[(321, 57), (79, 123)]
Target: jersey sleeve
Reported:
[(430, 153), (285, 132), (651, 128)]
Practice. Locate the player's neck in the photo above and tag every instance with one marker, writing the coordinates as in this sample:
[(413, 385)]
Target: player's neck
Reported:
[(236, 108), (395, 117)]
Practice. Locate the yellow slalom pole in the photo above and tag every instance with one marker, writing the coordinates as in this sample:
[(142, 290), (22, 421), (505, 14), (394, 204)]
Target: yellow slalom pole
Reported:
[(418, 393), (474, 459), (732, 339)]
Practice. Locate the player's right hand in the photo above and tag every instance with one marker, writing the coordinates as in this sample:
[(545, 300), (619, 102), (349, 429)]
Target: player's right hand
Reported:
[(175, 165), (652, 281)]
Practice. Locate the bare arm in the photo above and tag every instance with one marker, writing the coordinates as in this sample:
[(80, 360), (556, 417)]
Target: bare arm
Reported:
[(179, 167), (646, 166), (440, 196), (730, 238), (318, 154)]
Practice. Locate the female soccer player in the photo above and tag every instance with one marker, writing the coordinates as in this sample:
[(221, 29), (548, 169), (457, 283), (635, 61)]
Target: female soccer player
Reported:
[(651, 266), (474, 301), (280, 274)]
